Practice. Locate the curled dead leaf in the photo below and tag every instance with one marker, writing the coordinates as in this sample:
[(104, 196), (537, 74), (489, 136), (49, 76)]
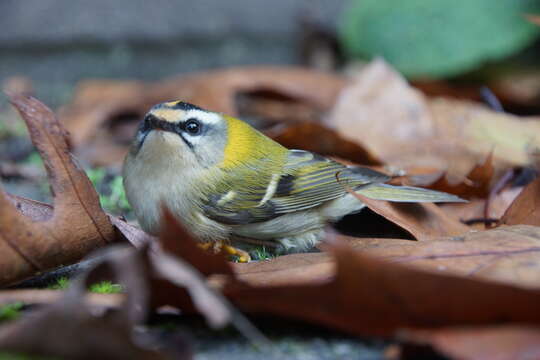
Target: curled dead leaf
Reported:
[(77, 225)]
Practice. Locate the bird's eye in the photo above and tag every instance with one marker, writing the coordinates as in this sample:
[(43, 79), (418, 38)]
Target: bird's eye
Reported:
[(193, 127)]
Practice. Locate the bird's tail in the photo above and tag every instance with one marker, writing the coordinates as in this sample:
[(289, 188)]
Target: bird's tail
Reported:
[(406, 194)]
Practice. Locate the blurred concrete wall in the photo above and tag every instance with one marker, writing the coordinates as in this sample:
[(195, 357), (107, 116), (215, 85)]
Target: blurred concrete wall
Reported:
[(57, 42)]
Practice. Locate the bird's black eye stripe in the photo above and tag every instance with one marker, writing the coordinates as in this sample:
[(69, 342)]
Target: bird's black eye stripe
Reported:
[(193, 127), (152, 122)]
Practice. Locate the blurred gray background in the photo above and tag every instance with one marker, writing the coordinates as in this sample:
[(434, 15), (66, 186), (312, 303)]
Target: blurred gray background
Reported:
[(55, 43)]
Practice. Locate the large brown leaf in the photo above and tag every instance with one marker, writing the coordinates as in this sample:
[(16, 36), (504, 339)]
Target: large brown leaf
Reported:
[(288, 270), (77, 225), (369, 296), (363, 294), (509, 254)]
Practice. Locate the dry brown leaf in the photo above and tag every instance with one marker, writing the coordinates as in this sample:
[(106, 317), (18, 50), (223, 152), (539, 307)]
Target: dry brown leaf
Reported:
[(477, 183), (152, 271), (474, 209), (507, 254), (77, 225), (97, 337), (380, 111), (312, 136), (287, 270), (367, 295), (425, 221), (134, 235), (472, 126), (99, 334), (178, 274), (38, 211), (35, 210), (176, 240), (96, 104), (526, 207), (370, 296), (266, 108), (399, 125), (42, 297), (476, 343)]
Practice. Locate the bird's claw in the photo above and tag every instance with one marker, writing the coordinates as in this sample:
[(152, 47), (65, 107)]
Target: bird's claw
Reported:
[(221, 247)]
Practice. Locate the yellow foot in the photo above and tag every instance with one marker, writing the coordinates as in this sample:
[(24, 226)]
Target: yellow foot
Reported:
[(243, 256), (205, 246), (219, 246)]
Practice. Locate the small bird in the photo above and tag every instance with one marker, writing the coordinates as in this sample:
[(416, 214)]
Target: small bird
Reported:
[(223, 179)]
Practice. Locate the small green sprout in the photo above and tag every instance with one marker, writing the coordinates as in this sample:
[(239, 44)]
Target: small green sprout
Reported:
[(11, 127), (34, 159), (96, 176), (18, 356), (11, 311), (61, 283), (103, 287), (106, 287), (111, 192), (261, 253)]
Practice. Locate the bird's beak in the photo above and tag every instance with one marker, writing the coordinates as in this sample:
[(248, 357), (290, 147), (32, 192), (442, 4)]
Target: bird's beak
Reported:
[(149, 123)]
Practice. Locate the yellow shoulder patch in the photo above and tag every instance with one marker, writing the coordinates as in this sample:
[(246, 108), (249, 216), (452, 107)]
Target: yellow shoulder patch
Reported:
[(244, 143)]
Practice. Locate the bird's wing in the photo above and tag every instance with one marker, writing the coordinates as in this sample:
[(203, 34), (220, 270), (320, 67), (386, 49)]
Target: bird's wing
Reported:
[(311, 180), (307, 180)]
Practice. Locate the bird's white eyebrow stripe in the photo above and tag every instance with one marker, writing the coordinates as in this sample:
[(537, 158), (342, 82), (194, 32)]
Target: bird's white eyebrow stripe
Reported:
[(204, 116)]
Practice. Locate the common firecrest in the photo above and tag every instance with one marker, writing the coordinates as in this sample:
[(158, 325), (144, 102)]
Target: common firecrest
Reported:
[(223, 179)]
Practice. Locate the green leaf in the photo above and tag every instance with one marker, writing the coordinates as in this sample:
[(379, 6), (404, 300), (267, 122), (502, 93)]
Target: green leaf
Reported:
[(437, 38)]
